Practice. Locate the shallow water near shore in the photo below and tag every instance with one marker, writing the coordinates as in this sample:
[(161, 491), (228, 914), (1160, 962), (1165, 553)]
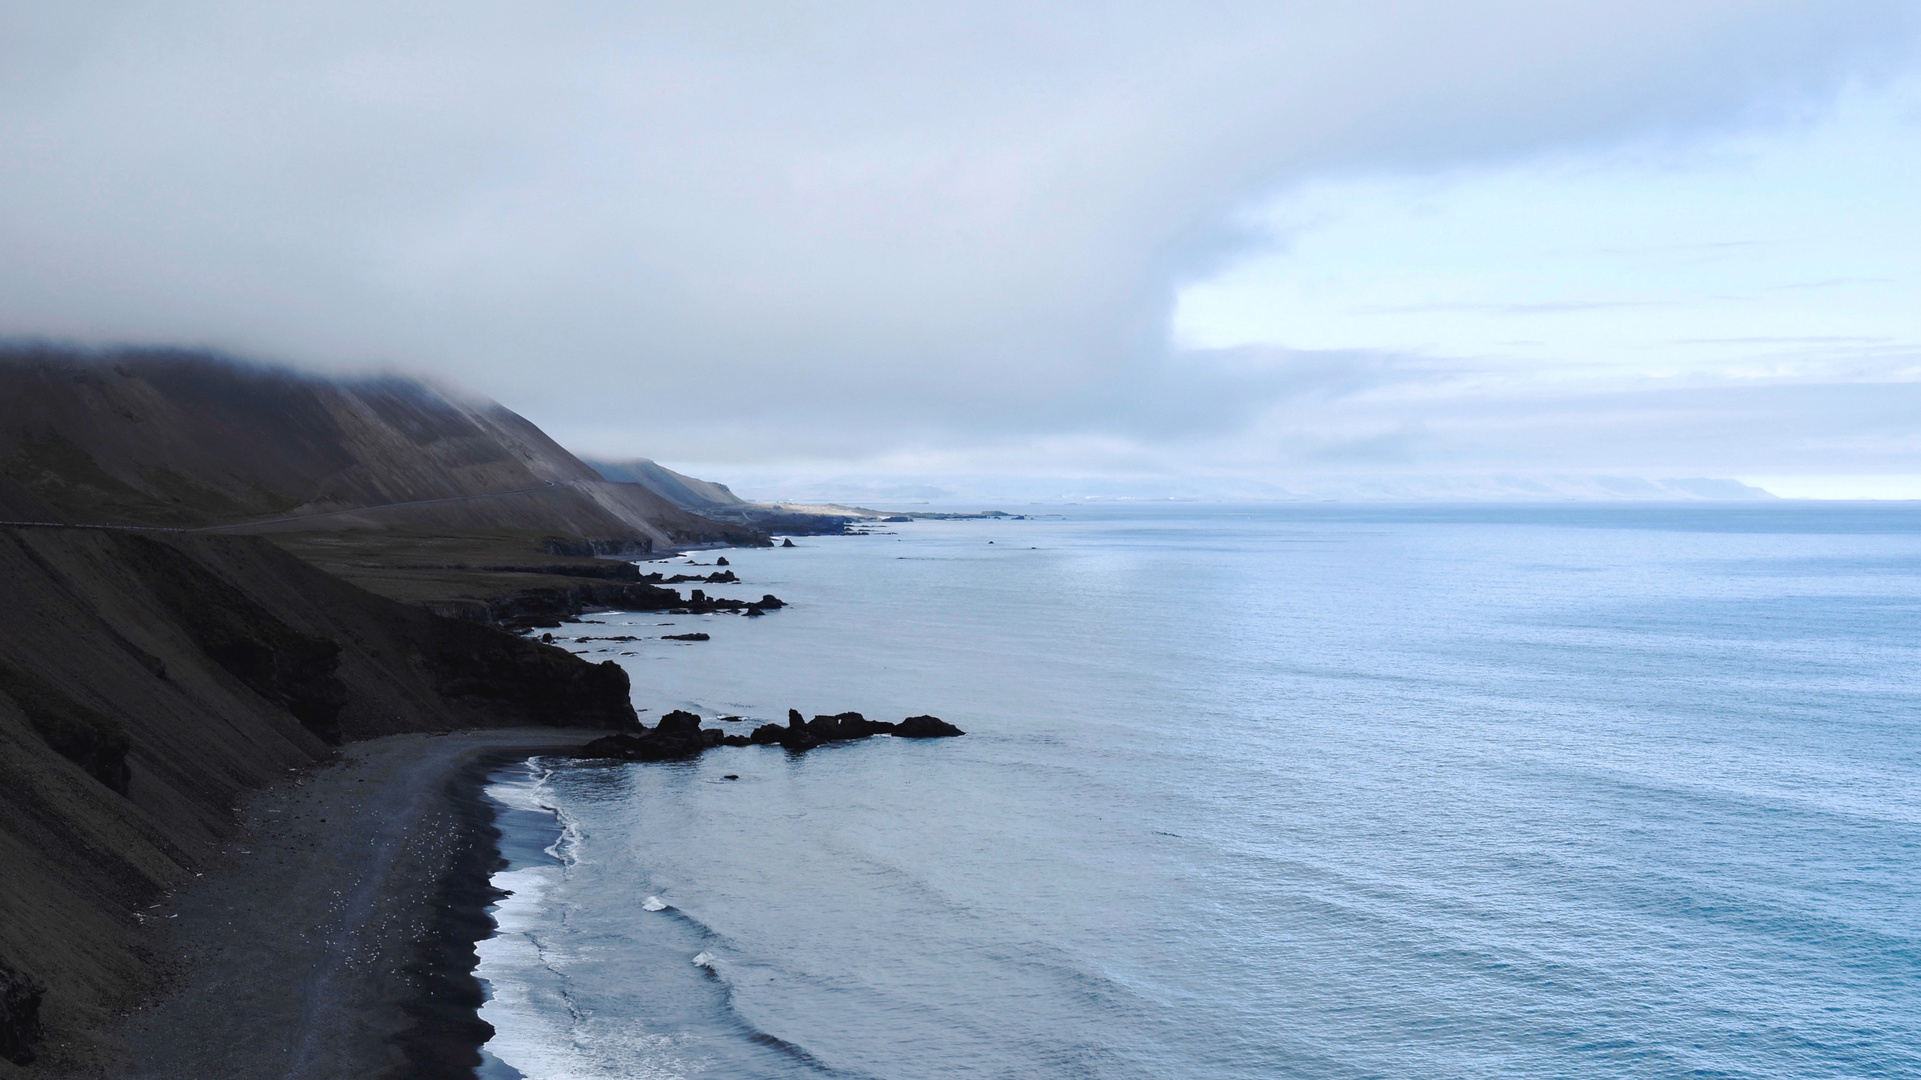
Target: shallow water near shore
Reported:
[(1251, 792)]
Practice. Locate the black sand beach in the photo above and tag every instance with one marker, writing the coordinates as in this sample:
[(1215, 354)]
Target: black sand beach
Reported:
[(336, 938)]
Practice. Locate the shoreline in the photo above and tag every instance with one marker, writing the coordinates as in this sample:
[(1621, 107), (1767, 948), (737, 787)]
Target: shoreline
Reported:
[(447, 1033), (336, 937)]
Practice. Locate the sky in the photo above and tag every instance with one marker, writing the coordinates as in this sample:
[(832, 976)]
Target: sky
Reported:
[(1476, 247)]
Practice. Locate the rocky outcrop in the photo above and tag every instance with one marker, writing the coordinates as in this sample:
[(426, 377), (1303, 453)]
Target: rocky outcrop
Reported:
[(680, 735), (19, 1016), (925, 727), (619, 548), (535, 679), (84, 735), (847, 725), (547, 607), (297, 670)]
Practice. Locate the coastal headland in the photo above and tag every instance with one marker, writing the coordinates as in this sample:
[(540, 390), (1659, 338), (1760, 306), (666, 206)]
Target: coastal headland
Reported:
[(229, 588)]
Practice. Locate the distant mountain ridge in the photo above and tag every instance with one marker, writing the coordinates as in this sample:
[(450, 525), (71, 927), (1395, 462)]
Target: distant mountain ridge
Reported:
[(680, 489), (184, 439)]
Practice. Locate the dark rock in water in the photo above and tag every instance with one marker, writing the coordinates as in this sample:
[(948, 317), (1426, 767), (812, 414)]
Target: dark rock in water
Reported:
[(767, 735), (684, 637), (753, 612), (678, 722), (712, 737), (795, 735), (19, 1016), (896, 518), (678, 735), (925, 727), (547, 638), (730, 719), (847, 725), (769, 600), (736, 740), (731, 776), (787, 542), (721, 577), (722, 561)]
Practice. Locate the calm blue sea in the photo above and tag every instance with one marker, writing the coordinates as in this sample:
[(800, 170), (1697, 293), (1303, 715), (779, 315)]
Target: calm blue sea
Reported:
[(1304, 791)]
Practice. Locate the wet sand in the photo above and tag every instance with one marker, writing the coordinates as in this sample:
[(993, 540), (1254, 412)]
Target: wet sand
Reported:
[(335, 937)]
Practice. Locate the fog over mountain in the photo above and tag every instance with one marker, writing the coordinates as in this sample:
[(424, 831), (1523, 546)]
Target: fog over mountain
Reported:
[(995, 239)]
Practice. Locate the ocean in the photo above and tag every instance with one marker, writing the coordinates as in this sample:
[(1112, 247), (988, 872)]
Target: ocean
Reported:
[(1290, 791)]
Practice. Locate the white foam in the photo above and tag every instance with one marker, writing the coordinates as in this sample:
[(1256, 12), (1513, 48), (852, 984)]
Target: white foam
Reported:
[(705, 960), (536, 1028), (653, 904), (533, 795)]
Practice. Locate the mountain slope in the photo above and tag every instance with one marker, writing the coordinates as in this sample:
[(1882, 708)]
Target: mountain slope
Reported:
[(182, 439), (682, 490)]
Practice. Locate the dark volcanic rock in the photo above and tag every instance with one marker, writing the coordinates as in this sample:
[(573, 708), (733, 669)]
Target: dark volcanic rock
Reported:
[(294, 669), (767, 735), (83, 735), (722, 561), (678, 735), (787, 542), (19, 1016), (795, 735), (847, 725), (540, 681), (798, 740), (925, 727), (769, 600), (684, 637), (736, 740), (678, 722)]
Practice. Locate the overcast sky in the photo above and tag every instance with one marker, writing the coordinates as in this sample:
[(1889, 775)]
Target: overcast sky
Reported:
[(1275, 241)]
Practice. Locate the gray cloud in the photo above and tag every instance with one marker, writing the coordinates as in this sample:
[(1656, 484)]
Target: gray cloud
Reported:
[(737, 231)]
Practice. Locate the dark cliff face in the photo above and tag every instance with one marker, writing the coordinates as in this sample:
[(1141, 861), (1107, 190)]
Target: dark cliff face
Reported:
[(146, 682)]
